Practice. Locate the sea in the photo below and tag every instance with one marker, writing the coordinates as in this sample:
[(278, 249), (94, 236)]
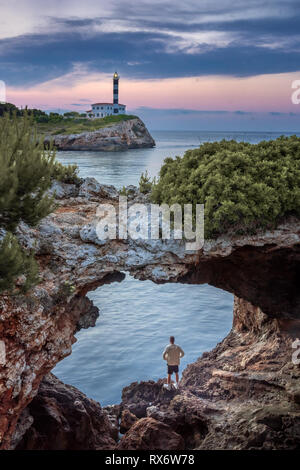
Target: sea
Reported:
[(137, 317)]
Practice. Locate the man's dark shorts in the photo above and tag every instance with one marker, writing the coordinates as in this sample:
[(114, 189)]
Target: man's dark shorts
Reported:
[(172, 369)]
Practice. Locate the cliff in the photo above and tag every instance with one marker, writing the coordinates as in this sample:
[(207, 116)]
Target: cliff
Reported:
[(243, 394), (123, 135)]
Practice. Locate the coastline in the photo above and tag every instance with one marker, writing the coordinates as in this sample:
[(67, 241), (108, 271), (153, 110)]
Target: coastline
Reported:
[(205, 385), (124, 135)]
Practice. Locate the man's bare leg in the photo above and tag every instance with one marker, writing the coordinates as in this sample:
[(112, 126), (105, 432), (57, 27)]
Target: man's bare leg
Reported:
[(177, 378), (169, 379)]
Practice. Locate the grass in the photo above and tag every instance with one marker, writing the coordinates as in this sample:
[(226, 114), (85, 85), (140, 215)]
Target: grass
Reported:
[(77, 126)]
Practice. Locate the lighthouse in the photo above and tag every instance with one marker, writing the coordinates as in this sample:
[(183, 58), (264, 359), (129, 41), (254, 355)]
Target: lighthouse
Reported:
[(100, 110), (116, 88)]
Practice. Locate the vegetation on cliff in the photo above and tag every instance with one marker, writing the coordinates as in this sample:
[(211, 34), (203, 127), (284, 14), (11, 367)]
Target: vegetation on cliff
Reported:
[(243, 186), (68, 123), (77, 125), (27, 171)]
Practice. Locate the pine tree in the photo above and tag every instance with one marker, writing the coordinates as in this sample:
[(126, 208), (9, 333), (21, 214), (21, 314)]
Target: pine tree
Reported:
[(145, 184), (25, 174), (26, 170)]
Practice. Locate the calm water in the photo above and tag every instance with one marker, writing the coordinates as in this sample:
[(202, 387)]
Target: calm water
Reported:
[(136, 317), (123, 168)]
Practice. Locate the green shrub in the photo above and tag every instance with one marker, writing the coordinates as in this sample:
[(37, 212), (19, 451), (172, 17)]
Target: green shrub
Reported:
[(26, 173), (65, 290), (123, 191), (76, 125), (145, 184), (9, 108), (59, 131), (65, 174), (128, 191), (14, 262), (243, 186)]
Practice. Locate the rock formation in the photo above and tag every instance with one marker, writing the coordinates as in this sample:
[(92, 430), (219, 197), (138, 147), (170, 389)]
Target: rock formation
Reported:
[(63, 418), (150, 434), (127, 420), (243, 394), (124, 135)]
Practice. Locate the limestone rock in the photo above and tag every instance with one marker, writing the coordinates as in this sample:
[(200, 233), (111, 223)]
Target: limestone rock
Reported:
[(251, 368), (62, 190), (150, 434), (92, 188), (130, 134)]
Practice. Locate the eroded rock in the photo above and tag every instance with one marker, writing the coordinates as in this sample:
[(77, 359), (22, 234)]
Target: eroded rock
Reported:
[(150, 434), (252, 363), (63, 418), (127, 420), (241, 395), (124, 135)]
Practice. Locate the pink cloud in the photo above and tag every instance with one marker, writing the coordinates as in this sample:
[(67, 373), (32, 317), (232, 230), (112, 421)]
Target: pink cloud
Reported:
[(260, 93)]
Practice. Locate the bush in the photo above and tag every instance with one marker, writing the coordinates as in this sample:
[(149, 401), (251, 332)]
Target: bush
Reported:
[(66, 174), (65, 290), (71, 114), (42, 119), (145, 184), (26, 170), (243, 186), (26, 173), (123, 191), (14, 262), (9, 108)]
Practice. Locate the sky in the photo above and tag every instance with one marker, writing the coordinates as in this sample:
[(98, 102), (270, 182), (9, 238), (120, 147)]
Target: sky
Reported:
[(194, 64)]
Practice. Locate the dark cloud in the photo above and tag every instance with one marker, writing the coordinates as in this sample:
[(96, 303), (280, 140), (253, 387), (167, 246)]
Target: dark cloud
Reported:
[(262, 45), (73, 23), (32, 60)]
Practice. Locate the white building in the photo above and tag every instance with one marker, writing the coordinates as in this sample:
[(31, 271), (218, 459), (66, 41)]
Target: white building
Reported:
[(100, 110)]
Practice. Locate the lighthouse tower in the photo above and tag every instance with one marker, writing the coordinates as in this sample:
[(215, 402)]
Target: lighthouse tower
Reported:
[(116, 92)]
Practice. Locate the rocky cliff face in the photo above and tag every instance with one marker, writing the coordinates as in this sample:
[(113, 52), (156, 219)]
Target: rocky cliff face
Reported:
[(243, 394), (60, 417), (131, 134)]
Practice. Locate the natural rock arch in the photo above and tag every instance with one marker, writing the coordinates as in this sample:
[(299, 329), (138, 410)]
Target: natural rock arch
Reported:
[(38, 329)]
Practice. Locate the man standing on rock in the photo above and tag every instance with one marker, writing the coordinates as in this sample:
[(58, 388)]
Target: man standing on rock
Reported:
[(172, 354)]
